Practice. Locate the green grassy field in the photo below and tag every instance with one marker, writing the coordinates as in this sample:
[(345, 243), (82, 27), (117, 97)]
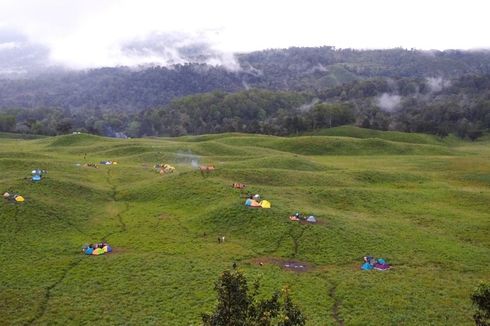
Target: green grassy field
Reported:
[(415, 200)]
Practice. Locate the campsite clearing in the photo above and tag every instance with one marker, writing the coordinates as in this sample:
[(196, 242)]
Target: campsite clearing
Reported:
[(423, 206)]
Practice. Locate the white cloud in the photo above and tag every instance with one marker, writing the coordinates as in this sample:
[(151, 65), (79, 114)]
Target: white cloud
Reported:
[(436, 84), (389, 102), (92, 32), (8, 46)]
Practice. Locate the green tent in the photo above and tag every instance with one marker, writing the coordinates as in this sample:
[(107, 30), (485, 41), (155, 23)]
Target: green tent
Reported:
[(98, 251)]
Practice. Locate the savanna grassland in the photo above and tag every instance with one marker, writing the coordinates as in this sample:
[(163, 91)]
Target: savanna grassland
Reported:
[(420, 202)]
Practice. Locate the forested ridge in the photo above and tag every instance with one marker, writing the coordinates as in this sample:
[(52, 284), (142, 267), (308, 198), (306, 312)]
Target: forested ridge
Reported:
[(276, 92)]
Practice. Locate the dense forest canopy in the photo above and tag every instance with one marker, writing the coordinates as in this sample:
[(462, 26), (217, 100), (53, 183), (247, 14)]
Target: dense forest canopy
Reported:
[(276, 91)]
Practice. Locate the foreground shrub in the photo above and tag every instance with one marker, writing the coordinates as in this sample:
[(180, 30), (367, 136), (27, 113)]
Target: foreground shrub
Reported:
[(481, 299), (238, 306)]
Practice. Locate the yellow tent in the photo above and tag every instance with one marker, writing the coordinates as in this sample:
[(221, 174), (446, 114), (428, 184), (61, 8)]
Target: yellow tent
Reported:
[(166, 168), (265, 204), (98, 251), (19, 199)]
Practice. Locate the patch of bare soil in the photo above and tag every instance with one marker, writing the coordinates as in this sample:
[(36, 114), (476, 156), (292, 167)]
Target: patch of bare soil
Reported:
[(318, 221), (117, 250), (163, 216), (285, 264)]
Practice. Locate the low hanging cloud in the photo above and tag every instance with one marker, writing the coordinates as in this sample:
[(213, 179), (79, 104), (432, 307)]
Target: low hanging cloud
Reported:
[(251, 70), (19, 56), (90, 33), (176, 48), (437, 84), (389, 102), (98, 33)]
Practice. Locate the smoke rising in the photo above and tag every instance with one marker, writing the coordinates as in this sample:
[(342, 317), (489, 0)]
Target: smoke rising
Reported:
[(318, 68), (307, 106), (187, 157)]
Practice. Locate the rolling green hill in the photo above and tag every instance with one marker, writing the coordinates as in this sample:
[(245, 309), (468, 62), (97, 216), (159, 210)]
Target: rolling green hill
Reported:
[(396, 136), (412, 199)]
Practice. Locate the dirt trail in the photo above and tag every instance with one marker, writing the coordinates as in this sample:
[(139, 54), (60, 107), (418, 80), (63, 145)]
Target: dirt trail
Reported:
[(47, 294), (296, 236), (113, 196), (336, 305)]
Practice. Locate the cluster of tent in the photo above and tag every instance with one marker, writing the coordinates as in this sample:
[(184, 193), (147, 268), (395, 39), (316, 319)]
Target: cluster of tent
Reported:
[(108, 162), (37, 174), (254, 201), (300, 217), (164, 168), (371, 263), (96, 249), (18, 198)]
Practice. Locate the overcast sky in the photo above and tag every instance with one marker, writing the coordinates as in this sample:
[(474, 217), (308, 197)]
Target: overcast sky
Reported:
[(87, 33)]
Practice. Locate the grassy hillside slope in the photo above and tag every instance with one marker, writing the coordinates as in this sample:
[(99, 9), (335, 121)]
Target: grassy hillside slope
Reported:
[(413, 200), (396, 136)]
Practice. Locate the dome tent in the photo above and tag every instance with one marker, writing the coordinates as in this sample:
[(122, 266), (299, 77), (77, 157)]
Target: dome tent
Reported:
[(265, 204), (37, 171), (89, 251), (98, 251), (311, 219), (367, 266)]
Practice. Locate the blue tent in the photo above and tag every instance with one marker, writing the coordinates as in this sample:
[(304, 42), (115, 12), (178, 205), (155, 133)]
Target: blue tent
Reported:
[(367, 267), (89, 251), (36, 177)]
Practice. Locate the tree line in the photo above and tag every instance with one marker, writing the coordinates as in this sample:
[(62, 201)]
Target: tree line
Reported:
[(253, 111), (459, 106)]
